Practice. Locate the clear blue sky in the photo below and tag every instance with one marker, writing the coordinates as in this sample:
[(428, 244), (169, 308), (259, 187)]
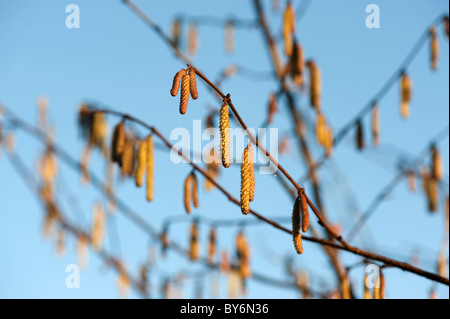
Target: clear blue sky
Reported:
[(114, 58)]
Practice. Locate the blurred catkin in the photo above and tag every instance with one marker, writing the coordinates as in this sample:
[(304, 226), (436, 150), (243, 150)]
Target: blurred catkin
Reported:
[(141, 163), (406, 93), (434, 48)]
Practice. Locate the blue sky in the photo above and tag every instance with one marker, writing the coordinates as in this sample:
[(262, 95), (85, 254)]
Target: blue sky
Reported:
[(114, 58)]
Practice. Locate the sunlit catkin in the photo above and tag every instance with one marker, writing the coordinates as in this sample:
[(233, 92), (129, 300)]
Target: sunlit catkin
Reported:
[(176, 82), (437, 164), (141, 163), (187, 194), (245, 183), (375, 124), (345, 288), (315, 84), (194, 245), (150, 168), (128, 159), (194, 182), (118, 142), (224, 125), (296, 226), (193, 84), (304, 211), (320, 128), (251, 172), (406, 93), (434, 48), (184, 96), (288, 27), (367, 294)]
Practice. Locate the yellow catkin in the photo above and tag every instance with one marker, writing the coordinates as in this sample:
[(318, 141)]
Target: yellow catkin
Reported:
[(49, 167), (97, 227), (406, 93), (224, 125), (251, 172), (150, 168), (437, 164), (433, 195), (329, 141), (194, 183), (375, 124), (185, 89), (296, 227), (141, 163), (345, 288), (212, 168), (211, 246), (297, 64), (320, 128), (128, 159), (118, 142), (360, 143), (382, 286), (193, 41), (245, 183), (304, 211), (193, 84), (272, 109), (315, 84), (176, 82), (194, 246), (187, 194), (229, 36), (288, 27), (434, 48)]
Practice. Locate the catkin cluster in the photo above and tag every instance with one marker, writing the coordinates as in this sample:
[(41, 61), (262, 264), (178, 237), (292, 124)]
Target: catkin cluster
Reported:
[(247, 179), (300, 220), (191, 192), (188, 82)]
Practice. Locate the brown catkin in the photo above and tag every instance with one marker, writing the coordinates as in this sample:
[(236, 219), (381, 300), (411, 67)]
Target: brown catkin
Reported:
[(150, 168), (193, 84), (195, 190), (187, 194), (141, 163), (315, 84), (304, 211), (176, 82), (382, 286), (211, 246), (251, 172), (224, 125), (375, 124), (192, 39), (406, 93), (360, 143), (194, 247), (176, 31), (296, 227), (329, 140), (185, 89), (118, 142), (127, 159), (434, 48), (245, 183), (445, 23), (297, 64)]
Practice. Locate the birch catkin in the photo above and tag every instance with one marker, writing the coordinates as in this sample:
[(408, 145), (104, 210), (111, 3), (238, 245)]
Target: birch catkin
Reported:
[(272, 109), (437, 165), (176, 82), (211, 246), (127, 159), (150, 168), (224, 125), (406, 92), (245, 183), (297, 64), (187, 194), (195, 200), (141, 163), (251, 172), (434, 48), (296, 226), (288, 27), (184, 96), (118, 143), (193, 84), (304, 211), (194, 247), (315, 85)]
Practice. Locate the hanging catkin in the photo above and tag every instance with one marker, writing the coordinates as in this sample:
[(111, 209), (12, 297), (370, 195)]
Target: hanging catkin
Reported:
[(434, 48), (211, 246), (437, 165), (150, 168), (192, 39), (329, 141), (245, 183), (297, 64), (224, 125), (296, 226), (97, 227), (315, 84), (141, 163), (243, 255), (304, 211), (193, 84), (118, 142), (251, 172), (360, 143), (320, 128), (375, 124), (406, 92), (367, 294), (194, 246), (176, 32), (288, 27), (128, 159), (176, 82), (184, 96), (187, 194), (229, 36)]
